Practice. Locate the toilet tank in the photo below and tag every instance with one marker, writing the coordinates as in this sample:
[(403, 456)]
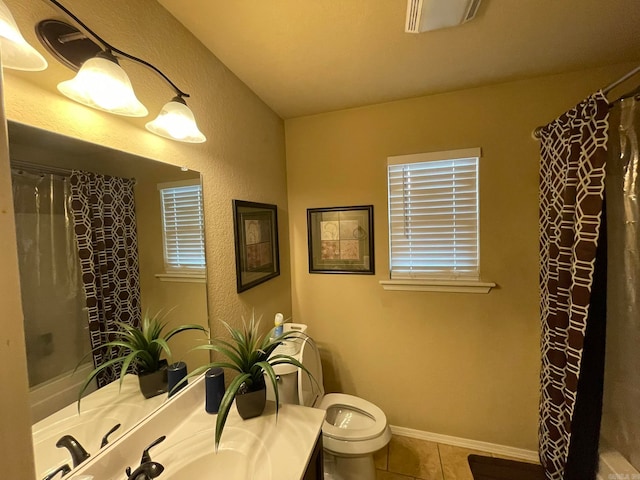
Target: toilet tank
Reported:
[(287, 387), (291, 346), (287, 374), (295, 386)]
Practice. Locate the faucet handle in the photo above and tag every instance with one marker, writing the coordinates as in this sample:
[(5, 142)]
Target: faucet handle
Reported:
[(105, 439), (146, 471), (147, 468), (146, 458), (64, 469)]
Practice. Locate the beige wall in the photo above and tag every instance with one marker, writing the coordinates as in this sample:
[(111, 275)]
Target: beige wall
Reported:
[(458, 364), (243, 158)]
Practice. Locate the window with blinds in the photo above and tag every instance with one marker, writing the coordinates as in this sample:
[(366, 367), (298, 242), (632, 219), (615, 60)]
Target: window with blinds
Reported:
[(183, 226), (433, 215)]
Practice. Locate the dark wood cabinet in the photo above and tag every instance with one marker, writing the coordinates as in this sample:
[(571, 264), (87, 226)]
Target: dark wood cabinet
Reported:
[(315, 468)]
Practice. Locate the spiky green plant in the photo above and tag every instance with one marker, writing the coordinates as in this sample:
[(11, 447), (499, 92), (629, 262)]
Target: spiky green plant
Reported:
[(249, 354), (139, 346)]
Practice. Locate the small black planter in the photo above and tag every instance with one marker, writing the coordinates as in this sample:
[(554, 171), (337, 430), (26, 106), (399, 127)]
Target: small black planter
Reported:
[(154, 383), (251, 404)]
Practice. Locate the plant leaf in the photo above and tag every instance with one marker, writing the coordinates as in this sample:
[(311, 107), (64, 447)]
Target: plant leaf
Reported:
[(227, 352), (282, 359), (225, 405), (271, 374), (94, 373)]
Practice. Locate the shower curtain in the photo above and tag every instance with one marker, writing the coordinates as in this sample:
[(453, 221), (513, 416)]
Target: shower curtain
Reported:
[(55, 323), (105, 226), (621, 409), (573, 150)]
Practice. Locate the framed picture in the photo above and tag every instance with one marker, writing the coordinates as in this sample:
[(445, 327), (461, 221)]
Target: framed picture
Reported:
[(256, 239), (341, 240)]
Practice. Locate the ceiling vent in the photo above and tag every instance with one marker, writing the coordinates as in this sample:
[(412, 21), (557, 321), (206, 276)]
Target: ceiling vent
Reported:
[(425, 15)]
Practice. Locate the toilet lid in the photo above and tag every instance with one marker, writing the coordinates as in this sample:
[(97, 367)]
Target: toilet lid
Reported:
[(310, 392)]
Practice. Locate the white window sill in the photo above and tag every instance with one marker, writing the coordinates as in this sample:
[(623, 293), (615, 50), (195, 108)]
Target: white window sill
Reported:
[(182, 277), (424, 285)]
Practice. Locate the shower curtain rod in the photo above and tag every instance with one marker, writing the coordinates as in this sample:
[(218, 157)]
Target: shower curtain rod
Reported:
[(537, 132), (622, 79), (37, 168)]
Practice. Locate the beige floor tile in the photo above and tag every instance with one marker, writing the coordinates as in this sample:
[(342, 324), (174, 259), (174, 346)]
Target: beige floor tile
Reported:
[(455, 465), (414, 458), (382, 475), (380, 458)]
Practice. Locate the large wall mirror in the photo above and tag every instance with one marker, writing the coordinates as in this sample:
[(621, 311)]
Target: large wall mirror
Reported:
[(56, 317)]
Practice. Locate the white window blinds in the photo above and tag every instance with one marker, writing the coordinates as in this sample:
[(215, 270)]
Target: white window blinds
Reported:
[(433, 215), (183, 226)]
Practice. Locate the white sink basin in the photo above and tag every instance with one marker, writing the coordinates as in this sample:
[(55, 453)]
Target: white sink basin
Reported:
[(260, 448), (241, 455), (87, 429), (101, 411)]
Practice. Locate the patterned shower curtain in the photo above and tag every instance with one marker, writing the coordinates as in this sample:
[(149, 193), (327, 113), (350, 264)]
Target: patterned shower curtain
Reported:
[(105, 226), (573, 151)]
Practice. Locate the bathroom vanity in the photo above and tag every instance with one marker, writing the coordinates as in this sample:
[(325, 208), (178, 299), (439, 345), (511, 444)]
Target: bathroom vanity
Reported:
[(261, 448)]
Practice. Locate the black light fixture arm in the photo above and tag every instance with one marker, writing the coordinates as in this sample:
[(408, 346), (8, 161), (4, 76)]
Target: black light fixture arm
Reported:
[(111, 48)]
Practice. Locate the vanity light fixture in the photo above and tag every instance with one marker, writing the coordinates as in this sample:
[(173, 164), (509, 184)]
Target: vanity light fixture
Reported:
[(102, 84), (16, 51), (176, 121)]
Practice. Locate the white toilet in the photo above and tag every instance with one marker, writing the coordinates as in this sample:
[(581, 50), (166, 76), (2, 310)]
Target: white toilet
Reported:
[(353, 428)]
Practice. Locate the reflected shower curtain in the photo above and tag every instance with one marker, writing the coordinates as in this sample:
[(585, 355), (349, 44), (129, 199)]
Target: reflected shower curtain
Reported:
[(621, 409), (105, 226), (55, 324), (573, 151)]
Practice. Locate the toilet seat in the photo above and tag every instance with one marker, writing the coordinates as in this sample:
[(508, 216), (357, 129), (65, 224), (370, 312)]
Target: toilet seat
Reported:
[(356, 419), (366, 420), (310, 392), (353, 427)]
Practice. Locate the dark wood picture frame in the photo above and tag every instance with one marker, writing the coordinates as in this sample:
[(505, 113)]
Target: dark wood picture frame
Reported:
[(255, 227), (341, 240)]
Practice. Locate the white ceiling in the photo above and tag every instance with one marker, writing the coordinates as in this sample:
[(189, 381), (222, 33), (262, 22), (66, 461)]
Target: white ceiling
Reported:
[(310, 56)]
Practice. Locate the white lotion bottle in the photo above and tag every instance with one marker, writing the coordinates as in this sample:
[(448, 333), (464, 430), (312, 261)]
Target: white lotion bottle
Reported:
[(279, 320)]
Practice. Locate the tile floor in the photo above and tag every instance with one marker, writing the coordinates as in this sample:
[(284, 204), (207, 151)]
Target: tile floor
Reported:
[(407, 458)]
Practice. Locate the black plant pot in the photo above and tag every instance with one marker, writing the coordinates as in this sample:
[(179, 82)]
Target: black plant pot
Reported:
[(154, 383), (251, 404)]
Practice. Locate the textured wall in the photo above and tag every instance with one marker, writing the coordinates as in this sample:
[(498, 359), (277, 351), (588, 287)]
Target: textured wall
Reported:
[(244, 157), (457, 364)]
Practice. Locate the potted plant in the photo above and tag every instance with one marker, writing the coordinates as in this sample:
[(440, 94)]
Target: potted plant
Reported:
[(249, 354), (141, 347)]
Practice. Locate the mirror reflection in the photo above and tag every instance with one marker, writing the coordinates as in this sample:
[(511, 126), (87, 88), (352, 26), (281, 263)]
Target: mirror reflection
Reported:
[(77, 280)]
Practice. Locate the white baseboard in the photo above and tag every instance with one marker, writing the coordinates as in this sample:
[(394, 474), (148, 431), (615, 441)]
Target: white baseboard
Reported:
[(503, 450)]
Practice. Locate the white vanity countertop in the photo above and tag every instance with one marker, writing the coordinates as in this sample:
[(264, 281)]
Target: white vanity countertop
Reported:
[(100, 411), (259, 448)]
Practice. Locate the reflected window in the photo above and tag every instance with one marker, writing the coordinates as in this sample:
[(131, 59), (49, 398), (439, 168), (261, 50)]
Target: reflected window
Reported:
[(183, 227)]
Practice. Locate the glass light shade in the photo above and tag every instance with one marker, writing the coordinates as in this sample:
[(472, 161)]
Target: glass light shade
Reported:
[(176, 122), (102, 84), (16, 52)]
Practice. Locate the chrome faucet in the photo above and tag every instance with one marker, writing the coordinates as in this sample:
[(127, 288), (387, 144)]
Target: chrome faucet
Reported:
[(77, 452)]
